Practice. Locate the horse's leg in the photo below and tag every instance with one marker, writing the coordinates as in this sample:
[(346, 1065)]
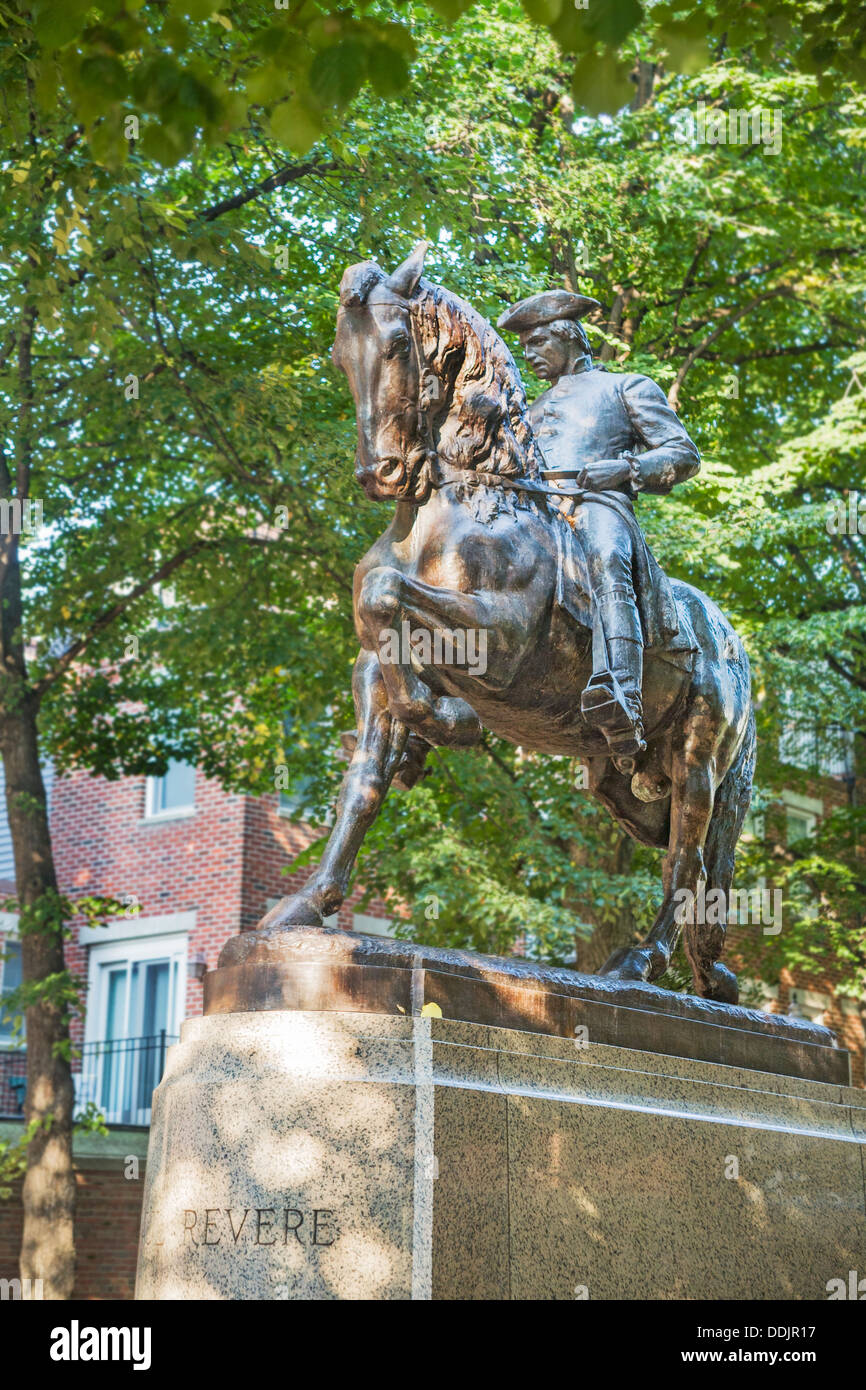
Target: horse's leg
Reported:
[(381, 741), (692, 797), (388, 598), (729, 812)]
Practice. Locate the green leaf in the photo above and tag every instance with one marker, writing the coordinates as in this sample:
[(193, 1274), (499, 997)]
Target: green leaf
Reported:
[(610, 23), (268, 84), (451, 9), (543, 11), (387, 70), (686, 44), (337, 72), (198, 9), (295, 126), (57, 24), (601, 84)]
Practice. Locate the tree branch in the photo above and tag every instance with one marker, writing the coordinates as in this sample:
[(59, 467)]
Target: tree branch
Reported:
[(290, 174)]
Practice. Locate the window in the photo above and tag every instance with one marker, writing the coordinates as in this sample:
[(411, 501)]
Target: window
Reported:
[(754, 825), (798, 825), (135, 1002), (827, 750), (173, 794), (808, 1003), (755, 994), (802, 814), (298, 805), (10, 978)]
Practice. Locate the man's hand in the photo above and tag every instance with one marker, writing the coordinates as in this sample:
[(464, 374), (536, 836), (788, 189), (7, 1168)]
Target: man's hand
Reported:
[(605, 476)]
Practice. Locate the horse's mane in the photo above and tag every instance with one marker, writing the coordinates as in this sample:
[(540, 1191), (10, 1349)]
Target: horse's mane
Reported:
[(483, 420)]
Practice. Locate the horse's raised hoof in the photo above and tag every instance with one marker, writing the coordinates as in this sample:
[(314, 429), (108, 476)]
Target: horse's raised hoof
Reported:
[(296, 911), (411, 769), (720, 985), (635, 963)]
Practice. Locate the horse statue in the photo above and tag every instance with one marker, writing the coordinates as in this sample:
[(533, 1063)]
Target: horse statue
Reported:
[(479, 557)]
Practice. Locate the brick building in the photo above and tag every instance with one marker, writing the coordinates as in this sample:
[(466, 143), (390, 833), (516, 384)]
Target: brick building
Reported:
[(196, 864)]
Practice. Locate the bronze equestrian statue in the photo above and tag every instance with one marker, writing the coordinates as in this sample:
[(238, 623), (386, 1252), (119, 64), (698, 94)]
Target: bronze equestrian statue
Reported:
[(481, 543)]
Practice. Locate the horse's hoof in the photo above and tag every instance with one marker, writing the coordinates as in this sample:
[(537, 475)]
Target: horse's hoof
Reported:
[(296, 911), (720, 985), (348, 744), (648, 785), (634, 963), (411, 769)]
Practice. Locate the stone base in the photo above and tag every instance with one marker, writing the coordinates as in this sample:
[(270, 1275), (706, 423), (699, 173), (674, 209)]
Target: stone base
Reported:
[(347, 1155), (326, 969)]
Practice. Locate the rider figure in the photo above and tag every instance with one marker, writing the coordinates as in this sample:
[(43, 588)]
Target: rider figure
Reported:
[(613, 434)]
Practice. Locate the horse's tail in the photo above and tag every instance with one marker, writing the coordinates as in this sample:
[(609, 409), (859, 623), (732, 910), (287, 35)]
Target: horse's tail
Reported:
[(729, 811)]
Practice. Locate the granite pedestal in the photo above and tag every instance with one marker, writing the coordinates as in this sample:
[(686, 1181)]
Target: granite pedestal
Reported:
[(339, 1152)]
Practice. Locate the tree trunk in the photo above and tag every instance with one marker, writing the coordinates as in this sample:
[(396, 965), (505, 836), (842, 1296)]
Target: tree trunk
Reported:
[(48, 1250), (644, 77)]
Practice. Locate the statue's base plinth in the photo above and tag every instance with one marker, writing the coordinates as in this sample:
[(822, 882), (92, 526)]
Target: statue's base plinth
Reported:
[(349, 1155), (325, 969)]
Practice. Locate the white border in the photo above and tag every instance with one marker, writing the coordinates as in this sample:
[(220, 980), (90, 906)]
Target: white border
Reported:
[(137, 928)]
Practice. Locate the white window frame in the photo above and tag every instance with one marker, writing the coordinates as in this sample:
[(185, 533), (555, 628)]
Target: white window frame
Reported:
[(754, 825), (809, 807), (174, 813), (769, 994), (102, 957), (135, 950), (8, 929), (811, 1004)]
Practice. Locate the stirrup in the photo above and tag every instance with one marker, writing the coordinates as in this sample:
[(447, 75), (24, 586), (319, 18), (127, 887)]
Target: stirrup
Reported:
[(604, 706)]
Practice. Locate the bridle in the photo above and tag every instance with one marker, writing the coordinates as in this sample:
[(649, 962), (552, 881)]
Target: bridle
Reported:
[(444, 474)]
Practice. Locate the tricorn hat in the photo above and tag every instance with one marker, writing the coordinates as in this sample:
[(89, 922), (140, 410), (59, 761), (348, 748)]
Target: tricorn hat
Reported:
[(545, 308)]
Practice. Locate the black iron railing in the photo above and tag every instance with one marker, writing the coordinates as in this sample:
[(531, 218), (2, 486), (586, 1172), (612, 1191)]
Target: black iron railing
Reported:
[(118, 1077)]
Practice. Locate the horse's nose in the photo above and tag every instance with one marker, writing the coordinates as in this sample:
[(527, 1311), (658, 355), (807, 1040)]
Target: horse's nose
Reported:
[(365, 475), (363, 463)]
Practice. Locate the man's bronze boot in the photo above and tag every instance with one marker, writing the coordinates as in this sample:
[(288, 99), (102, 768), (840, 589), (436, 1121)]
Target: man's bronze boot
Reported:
[(612, 700), (626, 660)]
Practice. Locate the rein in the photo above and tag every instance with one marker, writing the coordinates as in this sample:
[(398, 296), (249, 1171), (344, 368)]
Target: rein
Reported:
[(474, 477), (477, 478), (442, 474)]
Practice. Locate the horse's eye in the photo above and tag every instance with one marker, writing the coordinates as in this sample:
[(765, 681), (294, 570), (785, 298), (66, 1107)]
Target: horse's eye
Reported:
[(399, 347)]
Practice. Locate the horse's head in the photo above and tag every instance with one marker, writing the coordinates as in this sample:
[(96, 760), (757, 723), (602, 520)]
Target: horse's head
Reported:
[(376, 347), (436, 389)]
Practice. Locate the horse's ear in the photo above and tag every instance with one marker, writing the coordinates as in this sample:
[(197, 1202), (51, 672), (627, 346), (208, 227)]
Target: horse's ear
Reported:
[(404, 280)]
